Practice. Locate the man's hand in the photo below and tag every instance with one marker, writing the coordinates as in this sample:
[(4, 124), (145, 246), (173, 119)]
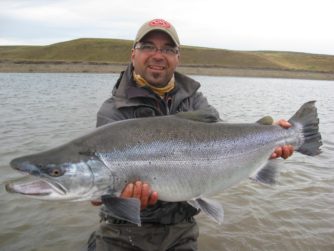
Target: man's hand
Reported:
[(139, 190), (284, 151), (142, 191)]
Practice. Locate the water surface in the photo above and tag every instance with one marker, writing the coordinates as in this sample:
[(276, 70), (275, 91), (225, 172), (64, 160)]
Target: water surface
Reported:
[(40, 111)]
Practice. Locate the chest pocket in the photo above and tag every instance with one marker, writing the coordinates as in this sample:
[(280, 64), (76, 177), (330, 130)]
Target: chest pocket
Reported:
[(143, 111)]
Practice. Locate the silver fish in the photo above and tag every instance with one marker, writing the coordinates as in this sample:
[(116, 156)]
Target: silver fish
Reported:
[(184, 157)]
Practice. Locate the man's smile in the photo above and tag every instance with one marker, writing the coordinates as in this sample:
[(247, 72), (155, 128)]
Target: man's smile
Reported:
[(156, 67)]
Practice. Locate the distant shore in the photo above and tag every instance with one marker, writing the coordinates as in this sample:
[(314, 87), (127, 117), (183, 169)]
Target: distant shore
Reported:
[(97, 67)]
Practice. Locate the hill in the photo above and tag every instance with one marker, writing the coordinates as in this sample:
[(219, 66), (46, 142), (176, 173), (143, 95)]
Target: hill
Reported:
[(99, 52)]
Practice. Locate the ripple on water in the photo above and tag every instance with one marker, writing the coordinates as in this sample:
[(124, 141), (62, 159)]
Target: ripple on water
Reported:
[(295, 214)]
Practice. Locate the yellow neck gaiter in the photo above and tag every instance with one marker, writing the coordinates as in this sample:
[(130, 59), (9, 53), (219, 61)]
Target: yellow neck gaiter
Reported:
[(161, 91)]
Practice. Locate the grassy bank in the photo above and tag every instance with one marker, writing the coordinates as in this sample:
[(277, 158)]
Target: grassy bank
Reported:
[(111, 55)]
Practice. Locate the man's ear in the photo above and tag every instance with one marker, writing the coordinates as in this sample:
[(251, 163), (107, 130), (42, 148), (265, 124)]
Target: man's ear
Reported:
[(133, 56)]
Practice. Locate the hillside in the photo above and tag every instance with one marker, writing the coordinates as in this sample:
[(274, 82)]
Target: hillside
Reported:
[(117, 52), (97, 50)]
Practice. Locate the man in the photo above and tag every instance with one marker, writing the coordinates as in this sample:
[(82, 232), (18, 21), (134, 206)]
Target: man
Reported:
[(150, 86)]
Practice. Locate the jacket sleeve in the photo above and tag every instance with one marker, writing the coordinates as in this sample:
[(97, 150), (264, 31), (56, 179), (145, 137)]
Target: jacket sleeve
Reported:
[(108, 113), (200, 102)]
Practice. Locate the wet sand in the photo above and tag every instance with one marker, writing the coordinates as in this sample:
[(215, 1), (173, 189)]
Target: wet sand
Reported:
[(97, 67)]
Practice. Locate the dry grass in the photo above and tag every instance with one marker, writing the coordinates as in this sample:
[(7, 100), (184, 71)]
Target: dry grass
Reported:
[(109, 55)]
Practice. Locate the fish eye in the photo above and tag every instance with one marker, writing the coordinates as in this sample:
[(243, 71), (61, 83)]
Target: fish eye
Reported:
[(55, 172)]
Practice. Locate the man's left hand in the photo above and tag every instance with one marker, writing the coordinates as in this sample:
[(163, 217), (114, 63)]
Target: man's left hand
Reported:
[(284, 151)]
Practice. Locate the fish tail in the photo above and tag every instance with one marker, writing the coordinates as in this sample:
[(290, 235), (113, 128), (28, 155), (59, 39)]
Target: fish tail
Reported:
[(307, 118)]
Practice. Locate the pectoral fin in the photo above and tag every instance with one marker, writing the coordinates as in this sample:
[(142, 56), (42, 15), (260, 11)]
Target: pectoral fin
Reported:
[(210, 207), (124, 209)]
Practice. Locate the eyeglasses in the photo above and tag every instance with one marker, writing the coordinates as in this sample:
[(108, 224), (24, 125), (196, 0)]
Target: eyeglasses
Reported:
[(151, 49)]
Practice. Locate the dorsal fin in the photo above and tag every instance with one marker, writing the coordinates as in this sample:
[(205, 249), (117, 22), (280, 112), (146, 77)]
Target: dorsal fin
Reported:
[(208, 115), (266, 120)]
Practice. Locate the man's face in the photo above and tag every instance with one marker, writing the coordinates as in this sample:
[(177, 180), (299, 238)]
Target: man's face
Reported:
[(156, 68)]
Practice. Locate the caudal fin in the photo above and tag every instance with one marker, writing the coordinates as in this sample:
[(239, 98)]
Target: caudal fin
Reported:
[(307, 118)]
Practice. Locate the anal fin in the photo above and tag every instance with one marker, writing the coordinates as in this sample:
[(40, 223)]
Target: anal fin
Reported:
[(210, 207), (267, 174)]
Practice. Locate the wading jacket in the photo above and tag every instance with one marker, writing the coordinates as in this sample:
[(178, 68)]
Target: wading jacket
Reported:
[(129, 101)]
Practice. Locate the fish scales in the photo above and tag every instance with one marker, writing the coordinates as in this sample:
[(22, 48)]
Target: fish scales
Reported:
[(185, 157), (179, 162)]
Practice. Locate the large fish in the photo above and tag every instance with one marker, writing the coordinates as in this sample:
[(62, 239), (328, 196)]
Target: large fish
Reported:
[(184, 157)]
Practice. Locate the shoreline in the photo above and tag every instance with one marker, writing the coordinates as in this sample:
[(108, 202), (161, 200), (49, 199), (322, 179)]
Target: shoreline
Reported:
[(23, 66)]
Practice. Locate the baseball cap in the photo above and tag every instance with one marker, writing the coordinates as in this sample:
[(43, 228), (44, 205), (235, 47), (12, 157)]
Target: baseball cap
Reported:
[(157, 25)]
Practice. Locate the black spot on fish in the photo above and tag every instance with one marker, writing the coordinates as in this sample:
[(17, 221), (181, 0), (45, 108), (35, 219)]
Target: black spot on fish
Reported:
[(87, 153)]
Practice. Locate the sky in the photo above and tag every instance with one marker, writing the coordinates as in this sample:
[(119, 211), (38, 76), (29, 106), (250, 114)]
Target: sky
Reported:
[(247, 25)]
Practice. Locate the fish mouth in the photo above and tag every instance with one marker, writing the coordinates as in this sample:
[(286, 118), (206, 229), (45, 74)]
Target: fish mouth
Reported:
[(35, 187)]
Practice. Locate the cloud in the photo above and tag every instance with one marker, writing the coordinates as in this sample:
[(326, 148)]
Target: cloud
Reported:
[(241, 25)]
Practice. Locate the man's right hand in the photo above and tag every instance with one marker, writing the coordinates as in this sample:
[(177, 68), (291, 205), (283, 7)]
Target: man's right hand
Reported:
[(139, 190), (142, 191)]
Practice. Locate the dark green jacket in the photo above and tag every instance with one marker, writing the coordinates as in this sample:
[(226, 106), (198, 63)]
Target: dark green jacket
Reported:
[(129, 101)]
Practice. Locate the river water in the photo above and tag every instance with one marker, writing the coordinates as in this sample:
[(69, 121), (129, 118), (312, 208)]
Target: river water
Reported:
[(40, 111)]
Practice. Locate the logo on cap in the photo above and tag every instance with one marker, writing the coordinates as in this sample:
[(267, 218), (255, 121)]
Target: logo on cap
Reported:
[(160, 23)]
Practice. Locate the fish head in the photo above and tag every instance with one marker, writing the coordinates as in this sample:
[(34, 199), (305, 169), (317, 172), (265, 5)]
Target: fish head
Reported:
[(53, 176)]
